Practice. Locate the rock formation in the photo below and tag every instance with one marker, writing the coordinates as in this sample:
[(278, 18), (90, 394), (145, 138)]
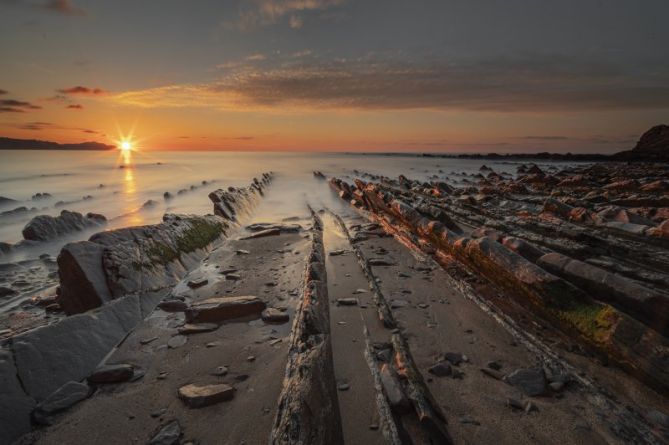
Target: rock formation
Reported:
[(46, 228)]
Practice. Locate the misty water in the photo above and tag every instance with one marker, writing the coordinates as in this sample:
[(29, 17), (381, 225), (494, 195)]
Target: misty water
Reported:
[(119, 187)]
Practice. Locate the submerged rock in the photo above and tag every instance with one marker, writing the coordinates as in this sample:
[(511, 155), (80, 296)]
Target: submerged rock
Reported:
[(46, 228)]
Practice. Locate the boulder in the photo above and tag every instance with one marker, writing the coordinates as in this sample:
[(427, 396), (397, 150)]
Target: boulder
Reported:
[(46, 228), (134, 260)]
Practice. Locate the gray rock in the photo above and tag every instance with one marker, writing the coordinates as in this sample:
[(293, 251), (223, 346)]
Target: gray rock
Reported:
[(47, 228), (173, 305), (531, 381), (194, 284), (112, 373), (347, 301), (69, 350), (218, 309), (273, 315), (168, 434), (195, 396), (441, 369), (15, 404), (393, 389), (64, 397)]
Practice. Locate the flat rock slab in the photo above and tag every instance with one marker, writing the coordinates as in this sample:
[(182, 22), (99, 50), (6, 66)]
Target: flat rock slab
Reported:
[(112, 374), (197, 328), (64, 397), (273, 315), (347, 301), (173, 305), (200, 396), (218, 309)]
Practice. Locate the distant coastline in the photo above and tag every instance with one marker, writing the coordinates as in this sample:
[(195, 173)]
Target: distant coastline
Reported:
[(35, 144)]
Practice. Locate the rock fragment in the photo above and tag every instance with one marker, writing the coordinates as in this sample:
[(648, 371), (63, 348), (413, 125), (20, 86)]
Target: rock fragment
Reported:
[(195, 396)]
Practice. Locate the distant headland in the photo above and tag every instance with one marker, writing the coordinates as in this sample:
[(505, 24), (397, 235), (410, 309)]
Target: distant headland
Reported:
[(34, 144)]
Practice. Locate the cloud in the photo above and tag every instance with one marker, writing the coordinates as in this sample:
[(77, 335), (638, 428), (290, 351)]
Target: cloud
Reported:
[(16, 106), (84, 91), (75, 107), (3, 92), (256, 13), (35, 126), (65, 7), (530, 84)]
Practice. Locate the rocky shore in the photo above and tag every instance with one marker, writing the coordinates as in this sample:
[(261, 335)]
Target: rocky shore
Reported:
[(486, 308)]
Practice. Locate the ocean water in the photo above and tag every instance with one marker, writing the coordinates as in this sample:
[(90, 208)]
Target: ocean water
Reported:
[(119, 186)]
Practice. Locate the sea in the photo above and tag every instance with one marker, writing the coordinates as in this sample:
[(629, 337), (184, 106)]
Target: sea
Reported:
[(129, 189)]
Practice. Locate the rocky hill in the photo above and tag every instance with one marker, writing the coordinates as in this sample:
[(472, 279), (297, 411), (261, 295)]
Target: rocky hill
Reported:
[(652, 146)]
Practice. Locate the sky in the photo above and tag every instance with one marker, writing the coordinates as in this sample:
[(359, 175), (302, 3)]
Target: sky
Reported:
[(456, 76)]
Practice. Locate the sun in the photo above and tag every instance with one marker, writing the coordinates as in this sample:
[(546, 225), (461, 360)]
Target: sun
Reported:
[(126, 146)]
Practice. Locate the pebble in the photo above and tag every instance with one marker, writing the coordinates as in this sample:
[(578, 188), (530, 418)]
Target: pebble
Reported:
[(220, 371), (195, 396), (347, 301), (250, 358), (197, 328), (343, 386), (441, 369), (167, 435), (158, 412), (194, 284), (494, 365), (112, 373)]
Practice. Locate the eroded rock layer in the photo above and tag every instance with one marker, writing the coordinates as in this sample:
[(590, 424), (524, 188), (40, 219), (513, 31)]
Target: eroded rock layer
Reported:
[(584, 248)]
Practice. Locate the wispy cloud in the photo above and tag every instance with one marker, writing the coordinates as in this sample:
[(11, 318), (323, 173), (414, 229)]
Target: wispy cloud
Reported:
[(75, 107), (546, 83), (254, 13), (3, 92), (35, 126), (16, 106), (83, 91)]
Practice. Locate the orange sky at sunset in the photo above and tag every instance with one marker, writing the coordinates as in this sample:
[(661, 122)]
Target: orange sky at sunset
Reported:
[(324, 75)]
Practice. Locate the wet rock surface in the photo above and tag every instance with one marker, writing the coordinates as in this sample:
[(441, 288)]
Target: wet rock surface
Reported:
[(46, 228)]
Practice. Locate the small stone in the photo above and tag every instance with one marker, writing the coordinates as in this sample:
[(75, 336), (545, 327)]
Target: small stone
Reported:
[(173, 305), (194, 284), (112, 374), (274, 315), (242, 252), (233, 276), (343, 386), (195, 396), (423, 305), (146, 341), (359, 291), (494, 365), (441, 369), (167, 435), (556, 386), (162, 376), (396, 304), (177, 341), (531, 381), (468, 420), (220, 371), (455, 358), (515, 404), (197, 328), (492, 373), (347, 301), (158, 412), (212, 344), (251, 358)]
